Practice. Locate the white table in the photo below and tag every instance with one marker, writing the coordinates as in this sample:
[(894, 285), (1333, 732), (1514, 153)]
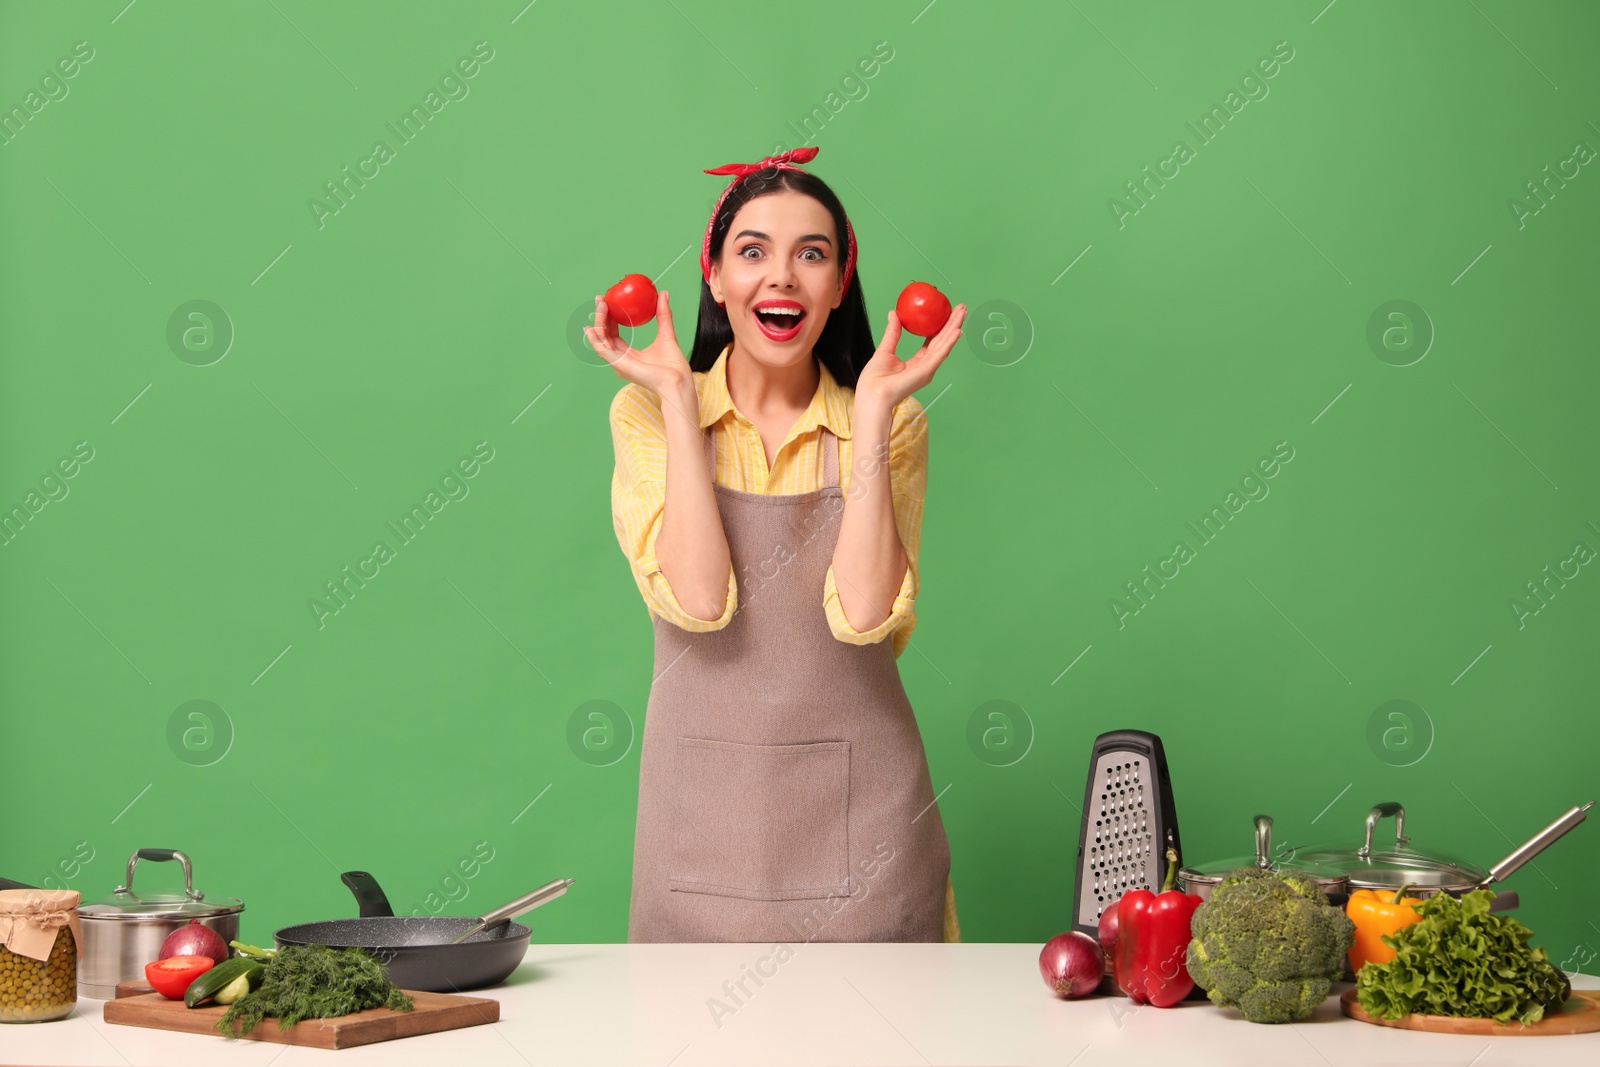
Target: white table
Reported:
[(823, 1004)]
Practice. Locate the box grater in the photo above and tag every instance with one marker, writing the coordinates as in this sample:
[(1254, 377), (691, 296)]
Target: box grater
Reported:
[(1128, 824)]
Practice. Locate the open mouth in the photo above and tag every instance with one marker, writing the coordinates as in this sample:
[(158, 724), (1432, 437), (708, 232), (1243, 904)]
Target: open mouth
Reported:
[(780, 323)]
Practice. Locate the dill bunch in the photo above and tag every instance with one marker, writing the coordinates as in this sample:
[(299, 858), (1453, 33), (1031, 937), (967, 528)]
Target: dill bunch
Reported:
[(313, 982)]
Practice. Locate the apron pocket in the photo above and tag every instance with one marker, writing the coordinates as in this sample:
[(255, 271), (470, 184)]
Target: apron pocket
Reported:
[(762, 822)]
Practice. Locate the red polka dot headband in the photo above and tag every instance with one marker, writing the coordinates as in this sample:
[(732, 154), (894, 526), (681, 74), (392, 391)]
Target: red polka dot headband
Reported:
[(742, 170)]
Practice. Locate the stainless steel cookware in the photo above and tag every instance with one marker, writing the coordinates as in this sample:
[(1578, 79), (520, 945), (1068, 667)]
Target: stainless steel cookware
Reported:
[(1371, 866), (1200, 880), (124, 931)]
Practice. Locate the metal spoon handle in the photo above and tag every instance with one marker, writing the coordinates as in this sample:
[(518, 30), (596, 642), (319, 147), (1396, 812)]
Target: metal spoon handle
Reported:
[(1537, 843), (525, 903)]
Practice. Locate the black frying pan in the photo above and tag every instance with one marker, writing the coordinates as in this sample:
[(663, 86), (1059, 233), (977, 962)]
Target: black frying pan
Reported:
[(415, 950)]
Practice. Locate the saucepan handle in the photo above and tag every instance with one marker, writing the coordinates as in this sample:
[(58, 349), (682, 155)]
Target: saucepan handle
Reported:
[(1537, 844), (1505, 900), (1387, 809), (1264, 842), (162, 855)]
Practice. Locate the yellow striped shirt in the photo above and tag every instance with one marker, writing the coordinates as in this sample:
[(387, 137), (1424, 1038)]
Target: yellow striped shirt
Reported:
[(638, 487), (638, 496)]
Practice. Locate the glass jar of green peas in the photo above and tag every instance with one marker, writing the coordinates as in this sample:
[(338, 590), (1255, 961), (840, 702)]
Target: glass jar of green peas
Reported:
[(39, 940)]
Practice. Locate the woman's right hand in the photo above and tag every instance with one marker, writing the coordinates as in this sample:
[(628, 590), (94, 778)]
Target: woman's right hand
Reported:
[(659, 367)]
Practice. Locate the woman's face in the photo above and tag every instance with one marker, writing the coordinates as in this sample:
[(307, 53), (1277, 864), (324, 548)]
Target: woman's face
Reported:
[(781, 251)]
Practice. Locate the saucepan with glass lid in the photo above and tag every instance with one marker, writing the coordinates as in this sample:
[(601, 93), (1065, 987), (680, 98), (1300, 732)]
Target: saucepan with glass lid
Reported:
[(1339, 870)]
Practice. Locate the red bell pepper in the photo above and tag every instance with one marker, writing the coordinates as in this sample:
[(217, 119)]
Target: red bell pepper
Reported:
[(1153, 942)]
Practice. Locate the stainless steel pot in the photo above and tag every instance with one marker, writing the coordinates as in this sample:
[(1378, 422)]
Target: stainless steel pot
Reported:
[(1428, 873), (1201, 880), (124, 931)]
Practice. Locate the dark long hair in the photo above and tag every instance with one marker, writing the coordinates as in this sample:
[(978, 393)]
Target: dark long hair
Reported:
[(846, 344)]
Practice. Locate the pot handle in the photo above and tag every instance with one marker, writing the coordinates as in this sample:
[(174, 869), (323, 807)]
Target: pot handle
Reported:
[(1383, 811), (1537, 844), (1505, 900), (1264, 842), (162, 855)]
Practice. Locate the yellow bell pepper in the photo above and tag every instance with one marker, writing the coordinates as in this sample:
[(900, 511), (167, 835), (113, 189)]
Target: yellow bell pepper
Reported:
[(1375, 914)]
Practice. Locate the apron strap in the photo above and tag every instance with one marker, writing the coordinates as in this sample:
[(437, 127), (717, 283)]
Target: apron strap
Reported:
[(830, 458), (711, 453)]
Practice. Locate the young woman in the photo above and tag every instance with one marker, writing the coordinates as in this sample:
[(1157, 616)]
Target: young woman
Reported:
[(768, 493)]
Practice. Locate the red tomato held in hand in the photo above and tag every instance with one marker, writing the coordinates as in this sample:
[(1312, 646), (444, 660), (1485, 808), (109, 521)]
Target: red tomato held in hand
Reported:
[(923, 310), (171, 977), (632, 301)]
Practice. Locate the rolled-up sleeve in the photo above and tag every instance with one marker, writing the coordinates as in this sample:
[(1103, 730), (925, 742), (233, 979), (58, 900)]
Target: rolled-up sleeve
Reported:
[(638, 503), (908, 479)]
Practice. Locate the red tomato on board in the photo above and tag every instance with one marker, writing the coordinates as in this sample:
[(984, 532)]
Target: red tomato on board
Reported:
[(632, 301), (923, 309), (171, 977)]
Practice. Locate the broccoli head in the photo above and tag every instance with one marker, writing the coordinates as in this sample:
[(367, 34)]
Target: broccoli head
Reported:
[(1268, 944)]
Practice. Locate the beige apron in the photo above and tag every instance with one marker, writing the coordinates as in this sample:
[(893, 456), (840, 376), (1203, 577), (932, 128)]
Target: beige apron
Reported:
[(783, 789)]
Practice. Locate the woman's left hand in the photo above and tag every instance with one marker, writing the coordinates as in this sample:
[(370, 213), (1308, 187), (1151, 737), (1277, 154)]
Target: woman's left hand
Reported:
[(886, 380)]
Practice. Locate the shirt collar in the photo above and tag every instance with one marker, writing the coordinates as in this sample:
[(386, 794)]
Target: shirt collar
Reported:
[(830, 406)]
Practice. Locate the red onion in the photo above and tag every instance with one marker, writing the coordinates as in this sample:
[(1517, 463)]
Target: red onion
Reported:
[(1108, 928), (195, 939), (1072, 964)]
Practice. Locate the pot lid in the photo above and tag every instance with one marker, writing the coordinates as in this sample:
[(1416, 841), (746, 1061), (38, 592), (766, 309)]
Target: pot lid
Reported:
[(1399, 867), (1212, 873), (124, 903), (1391, 868), (158, 906)]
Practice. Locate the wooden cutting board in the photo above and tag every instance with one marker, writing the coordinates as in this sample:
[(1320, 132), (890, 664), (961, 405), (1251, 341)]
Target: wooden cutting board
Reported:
[(1580, 1015), (432, 1013)]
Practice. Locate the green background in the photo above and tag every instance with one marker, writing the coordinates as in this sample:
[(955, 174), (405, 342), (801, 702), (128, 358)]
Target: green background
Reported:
[(1088, 416)]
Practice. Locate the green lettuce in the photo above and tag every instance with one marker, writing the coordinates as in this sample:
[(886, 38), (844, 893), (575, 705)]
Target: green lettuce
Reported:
[(1461, 960)]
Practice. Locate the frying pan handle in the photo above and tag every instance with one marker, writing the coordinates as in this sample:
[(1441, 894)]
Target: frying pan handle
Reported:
[(1383, 811), (1537, 844), (370, 897)]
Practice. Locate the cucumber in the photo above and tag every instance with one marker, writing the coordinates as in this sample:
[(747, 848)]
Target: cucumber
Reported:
[(209, 983), (234, 989)]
